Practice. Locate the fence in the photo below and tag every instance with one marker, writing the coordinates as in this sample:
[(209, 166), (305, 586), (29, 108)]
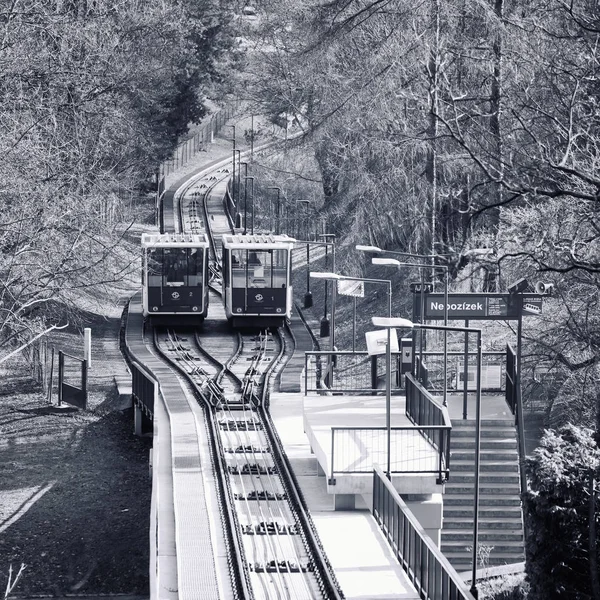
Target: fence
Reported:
[(492, 370), (356, 449), (427, 568), (72, 393), (346, 372), (187, 149), (143, 390), (432, 419), (511, 378)]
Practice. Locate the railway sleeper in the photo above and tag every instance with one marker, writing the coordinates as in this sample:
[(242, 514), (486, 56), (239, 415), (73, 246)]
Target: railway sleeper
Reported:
[(252, 469), (233, 425), (237, 404), (261, 495), (248, 448), (281, 566), (270, 528)]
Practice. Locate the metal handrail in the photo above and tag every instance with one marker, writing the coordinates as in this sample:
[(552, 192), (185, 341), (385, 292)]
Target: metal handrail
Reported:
[(423, 410), (441, 434), (427, 568)]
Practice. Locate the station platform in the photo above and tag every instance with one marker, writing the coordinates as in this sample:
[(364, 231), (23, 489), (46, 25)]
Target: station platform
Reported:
[(346, 458), (357, 550)]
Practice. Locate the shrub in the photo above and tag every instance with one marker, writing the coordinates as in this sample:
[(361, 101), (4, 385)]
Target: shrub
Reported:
[(559, 514)]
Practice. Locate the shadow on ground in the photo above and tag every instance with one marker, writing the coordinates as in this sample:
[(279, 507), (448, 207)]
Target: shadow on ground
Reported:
[(77, 507)]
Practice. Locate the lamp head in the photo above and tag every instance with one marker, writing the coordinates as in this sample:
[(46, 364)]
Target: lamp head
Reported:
[(388, 262), (320, 275), (364, 248), (392, 322), (518, 286)]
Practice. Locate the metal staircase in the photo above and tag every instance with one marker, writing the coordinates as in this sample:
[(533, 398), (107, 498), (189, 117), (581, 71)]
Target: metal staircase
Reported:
[(500, 517)]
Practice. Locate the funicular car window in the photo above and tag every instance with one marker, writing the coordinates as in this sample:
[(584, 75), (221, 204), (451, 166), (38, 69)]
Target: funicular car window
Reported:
[(195, 266), (154, 262), (259, 268)]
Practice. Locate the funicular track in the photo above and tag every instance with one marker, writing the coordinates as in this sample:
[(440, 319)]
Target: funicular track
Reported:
[(269, 529)]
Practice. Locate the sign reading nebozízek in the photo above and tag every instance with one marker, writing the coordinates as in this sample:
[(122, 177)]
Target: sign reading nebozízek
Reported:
[(480, 306)]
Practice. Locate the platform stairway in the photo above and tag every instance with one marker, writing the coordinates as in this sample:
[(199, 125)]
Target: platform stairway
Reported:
[(500, 516)]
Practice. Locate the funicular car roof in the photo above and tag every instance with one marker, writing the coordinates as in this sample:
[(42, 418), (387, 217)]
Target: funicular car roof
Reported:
[(258, 241), (174, 240)]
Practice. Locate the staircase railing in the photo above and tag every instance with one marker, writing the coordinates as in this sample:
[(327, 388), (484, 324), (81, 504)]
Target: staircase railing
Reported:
[(427, 568)]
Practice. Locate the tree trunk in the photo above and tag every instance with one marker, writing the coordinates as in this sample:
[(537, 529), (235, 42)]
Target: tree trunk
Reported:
[(593, 551), (431, 166)]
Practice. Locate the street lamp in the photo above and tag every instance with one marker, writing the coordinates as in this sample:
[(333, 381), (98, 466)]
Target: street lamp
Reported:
[(308, 299), (333, 277), (246, 203), (239, 171), (278, 208), (396, 263), (324, 331), (387, 282), (233, 185), (391, 323)]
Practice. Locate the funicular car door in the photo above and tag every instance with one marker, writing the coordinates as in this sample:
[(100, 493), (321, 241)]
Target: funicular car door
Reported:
[(182, 288), (265, 289)]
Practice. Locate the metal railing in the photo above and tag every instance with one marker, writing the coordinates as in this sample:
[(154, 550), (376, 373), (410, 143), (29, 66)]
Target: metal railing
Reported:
[(352, 373), (433, 418), (355, 449), (187, 149), (427, 568), (492, 376), (511, 378), (144, 389)]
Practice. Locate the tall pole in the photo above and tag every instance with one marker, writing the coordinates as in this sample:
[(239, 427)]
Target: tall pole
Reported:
[(252, 230), (465, 373), (308, 301), (354, 324), (422, 321), (445, 397), (388, 401), (278, 208), (520, 422), (233, 184), (474, 590), (246, 201), (326, 287), (239, 173)]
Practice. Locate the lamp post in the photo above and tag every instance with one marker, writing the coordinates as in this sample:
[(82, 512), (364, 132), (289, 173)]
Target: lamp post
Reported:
[(239, 172), (337, 277), (395, 263), (333, 277), (278, 208), (245, 183), (246, 202), (233, 184), (308, 300), (324, 330), (391, 323)]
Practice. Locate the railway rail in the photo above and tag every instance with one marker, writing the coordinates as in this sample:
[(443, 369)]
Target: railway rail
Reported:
[(274, 550)]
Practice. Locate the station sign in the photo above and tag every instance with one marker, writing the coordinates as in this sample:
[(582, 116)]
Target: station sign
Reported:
[(480, 306), (348, 287)]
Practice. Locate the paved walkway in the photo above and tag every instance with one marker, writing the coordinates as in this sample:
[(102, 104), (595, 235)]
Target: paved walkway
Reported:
[(493, 406), (358, 552)]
